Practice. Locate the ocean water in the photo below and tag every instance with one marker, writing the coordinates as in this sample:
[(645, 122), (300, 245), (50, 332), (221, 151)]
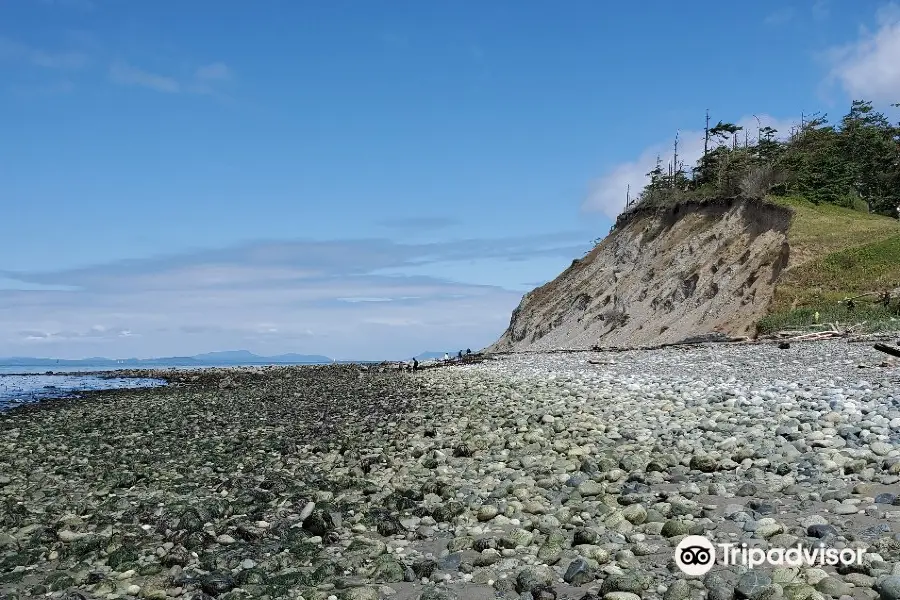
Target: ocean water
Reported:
[(91, 368), (16, 390), (106, 367), (20, 383)]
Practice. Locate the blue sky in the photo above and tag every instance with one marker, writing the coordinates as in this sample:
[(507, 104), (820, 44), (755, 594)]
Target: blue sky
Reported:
[(361, 179)]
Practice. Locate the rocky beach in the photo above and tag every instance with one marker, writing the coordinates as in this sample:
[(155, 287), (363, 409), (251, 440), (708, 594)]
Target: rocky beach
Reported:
[(534, 476)]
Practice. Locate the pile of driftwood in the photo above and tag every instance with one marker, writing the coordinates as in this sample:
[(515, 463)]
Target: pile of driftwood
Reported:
[(828, 331)]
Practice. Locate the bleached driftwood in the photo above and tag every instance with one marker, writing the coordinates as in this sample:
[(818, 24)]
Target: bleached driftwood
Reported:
[(845, 300)]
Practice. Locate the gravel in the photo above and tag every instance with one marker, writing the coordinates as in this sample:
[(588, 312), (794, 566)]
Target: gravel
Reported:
[(527, 476)]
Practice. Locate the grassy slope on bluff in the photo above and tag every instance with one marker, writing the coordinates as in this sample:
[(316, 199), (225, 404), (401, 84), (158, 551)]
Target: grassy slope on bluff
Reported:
[(726, 266), (835, 253)]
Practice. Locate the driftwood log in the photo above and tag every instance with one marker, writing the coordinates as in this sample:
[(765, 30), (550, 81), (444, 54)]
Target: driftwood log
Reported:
[(887, 349), (845, 300)]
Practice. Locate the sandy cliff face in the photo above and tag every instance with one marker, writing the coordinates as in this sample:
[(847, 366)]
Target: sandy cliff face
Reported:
[(661, 277)]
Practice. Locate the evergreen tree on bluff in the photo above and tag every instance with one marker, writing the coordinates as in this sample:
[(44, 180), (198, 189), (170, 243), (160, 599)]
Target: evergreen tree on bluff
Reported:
[(853, 163)]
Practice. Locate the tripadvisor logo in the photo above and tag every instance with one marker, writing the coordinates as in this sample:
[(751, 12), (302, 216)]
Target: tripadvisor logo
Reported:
[(696, 555)]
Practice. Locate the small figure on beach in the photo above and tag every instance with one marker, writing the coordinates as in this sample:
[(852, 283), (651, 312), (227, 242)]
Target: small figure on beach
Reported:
[(459, 355), (446, 356), (415, 365), (468, 351)]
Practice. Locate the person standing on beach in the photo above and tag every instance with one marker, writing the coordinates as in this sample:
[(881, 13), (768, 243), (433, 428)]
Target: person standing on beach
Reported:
[(415, 365)]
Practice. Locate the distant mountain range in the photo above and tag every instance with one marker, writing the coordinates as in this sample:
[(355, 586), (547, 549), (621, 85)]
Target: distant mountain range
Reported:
[(231, 357)]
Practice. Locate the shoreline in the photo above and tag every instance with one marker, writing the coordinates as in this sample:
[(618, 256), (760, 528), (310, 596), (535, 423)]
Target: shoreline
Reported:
[(500, 477), (19, 390)]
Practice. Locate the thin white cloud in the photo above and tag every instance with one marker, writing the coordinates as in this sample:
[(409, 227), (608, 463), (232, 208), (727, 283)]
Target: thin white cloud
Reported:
[(85, 5), (413, 224), (14, 51), (215, 275), (286, 263), (213, 72), (308, 297), (607, 195), (204, 79), (869, 68), (780, 16), (126, 74), (91, 334), (364, 299), (11, 283), (267, 321), (394, 322)]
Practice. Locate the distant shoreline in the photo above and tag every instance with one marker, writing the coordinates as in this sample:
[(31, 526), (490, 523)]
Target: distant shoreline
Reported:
[(41, 369)]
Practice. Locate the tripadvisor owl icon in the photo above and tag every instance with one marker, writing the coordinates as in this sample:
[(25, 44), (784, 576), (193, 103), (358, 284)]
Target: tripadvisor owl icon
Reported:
[(695, 555)]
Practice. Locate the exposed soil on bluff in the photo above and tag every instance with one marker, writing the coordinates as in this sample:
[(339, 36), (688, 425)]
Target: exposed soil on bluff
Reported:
[(662, 276)]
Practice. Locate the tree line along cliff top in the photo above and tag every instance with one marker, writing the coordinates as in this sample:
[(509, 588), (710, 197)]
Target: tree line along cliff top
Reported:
[(840, 180), (854, 163)]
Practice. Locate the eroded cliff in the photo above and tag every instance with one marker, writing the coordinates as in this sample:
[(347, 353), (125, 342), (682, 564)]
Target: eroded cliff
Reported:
[(662, 276)]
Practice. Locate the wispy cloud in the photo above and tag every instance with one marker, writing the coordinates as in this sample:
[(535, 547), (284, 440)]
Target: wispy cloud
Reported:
[(780, 16), (821, 10), (322, 297), (213, 72), (95, 332), (125, 74), (607, 194), (84, 5), (12, 283), (419, 223), (83, 47), (15, 51), (364, 299), (210, 78), (869, 68), (295, 261), (203, 81)]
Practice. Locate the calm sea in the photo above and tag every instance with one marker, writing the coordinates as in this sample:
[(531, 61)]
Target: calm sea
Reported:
[(24, 389), (21, 384), (93, 368)]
